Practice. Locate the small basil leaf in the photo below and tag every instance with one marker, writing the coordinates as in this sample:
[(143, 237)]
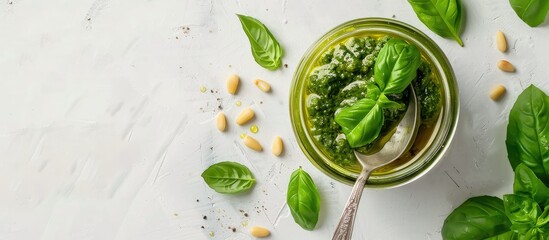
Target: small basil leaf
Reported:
[(441, 16), (228, 177), (477, 218), (532, 12), (528, 184), (528, 132), (303, 199), (265, 48), (520, 209), (543, 219), (534, 234), (361, 122), (385, 102), (396, 66)]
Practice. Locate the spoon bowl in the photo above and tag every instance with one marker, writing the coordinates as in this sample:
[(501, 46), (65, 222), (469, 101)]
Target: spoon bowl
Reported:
[(401, 141)]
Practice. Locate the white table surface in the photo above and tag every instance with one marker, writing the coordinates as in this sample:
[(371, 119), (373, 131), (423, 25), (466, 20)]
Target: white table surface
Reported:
[(104, 131)]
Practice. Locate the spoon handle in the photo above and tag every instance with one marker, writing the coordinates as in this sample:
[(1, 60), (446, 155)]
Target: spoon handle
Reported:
[(344, 229)]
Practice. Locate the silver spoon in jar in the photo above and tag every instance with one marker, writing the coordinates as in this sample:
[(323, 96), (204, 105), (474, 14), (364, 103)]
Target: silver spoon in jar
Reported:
[(401, 141)]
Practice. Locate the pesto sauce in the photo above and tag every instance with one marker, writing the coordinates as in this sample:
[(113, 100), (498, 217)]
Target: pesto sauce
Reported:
[(340, 80)]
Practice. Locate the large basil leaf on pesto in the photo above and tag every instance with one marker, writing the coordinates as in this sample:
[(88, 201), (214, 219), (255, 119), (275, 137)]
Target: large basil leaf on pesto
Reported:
[(396, 66), (532, 12), (477, 218), (228, 177), (361, 122), (303, 199), (441, 16), (265, 48), (528, 184), (528, 132)]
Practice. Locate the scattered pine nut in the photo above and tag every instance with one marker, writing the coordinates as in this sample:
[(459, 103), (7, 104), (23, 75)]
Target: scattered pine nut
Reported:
[(501, 42), (259, 232), (506, 66), (277, 147), (245, 116), (252, 143), (221, 122), (232, 83), (497, 92), (262, 85)]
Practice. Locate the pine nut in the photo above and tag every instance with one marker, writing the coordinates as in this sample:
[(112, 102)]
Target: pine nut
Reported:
[(262, 85), (245, 116), (497, 92), (277, 147), (221, 122), (501, 42), (232, 83), (252, 143), (259, 232), (506, 66)]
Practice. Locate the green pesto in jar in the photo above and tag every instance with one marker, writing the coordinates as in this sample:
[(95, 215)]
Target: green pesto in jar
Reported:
[(339, 79)]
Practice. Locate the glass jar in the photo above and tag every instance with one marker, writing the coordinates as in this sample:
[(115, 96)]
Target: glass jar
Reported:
[(435, 146)]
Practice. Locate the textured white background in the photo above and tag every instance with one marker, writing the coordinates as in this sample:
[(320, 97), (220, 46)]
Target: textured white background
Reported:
[(104, 131)]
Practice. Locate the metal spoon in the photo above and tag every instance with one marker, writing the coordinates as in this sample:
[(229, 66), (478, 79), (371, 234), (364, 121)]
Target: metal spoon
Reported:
[(401, 141)]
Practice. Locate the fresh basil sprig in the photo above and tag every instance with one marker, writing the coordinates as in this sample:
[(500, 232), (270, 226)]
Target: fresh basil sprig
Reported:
[(518, 215), (265, 48), (532, 12), (526, 212), (528, 132), (395, 68), (228, 177), (303, 199), (441, 16)]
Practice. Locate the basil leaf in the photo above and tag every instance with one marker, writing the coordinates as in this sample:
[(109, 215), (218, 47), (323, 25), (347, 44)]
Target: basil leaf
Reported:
[(303, 199), (477, 218), (535, 234), (396, 66), (441, 16), (543, 219), (528, 184), (532, 12), (361, 122), (528, 132), (385, 102), (228, 177), (510, 235), (265, 48), (521, 210)]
